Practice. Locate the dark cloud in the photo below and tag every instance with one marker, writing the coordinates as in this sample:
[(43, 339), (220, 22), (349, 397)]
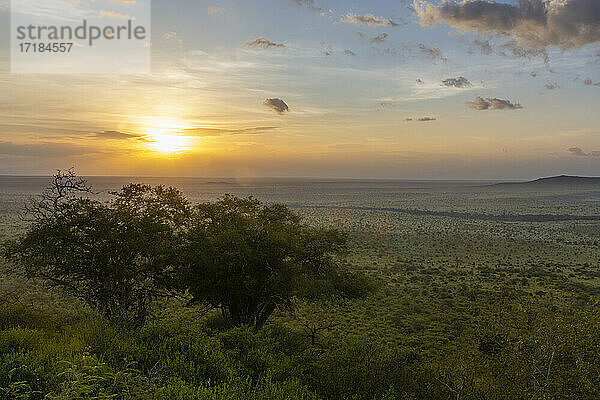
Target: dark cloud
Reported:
[(532, 23), (349, 53), (577, 151), (204, 131), (492, 104), (460, 82), (379, 38), (118, 135), (263, 43), (368, 19), (420, 81), (277, 105)]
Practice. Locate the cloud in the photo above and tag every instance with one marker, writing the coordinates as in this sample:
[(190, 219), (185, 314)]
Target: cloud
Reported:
[(460, 82), (484, 45), (368, 19), (349, 53), (45, 150), (587, 82), (532, 23), (115, 135), (577, 151), (263, 43), (385, 105), (492, 104), (551, 86), (277, 105), (211, 131), (310, 4), (215, 10), (379, 38), (113, 14), (420, 119), (433, 52), (172, 36)]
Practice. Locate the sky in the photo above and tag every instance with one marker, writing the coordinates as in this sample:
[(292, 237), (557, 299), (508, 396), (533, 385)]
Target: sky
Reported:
[(324, 88)]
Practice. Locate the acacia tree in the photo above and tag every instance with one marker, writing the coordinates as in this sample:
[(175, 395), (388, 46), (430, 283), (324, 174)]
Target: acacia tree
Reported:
[(248, 259), (115, 255)]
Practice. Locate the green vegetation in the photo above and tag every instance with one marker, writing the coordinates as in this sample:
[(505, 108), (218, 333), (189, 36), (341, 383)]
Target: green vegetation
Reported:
[(403, 305)]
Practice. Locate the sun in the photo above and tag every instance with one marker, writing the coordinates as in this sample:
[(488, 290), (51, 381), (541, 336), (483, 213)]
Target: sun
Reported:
[(168, 143), (164, 136)]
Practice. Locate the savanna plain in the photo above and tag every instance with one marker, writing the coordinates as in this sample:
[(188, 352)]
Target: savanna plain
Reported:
[(467, 290)]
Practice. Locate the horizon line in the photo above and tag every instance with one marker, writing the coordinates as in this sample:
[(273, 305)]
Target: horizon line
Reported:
[(313, 178)]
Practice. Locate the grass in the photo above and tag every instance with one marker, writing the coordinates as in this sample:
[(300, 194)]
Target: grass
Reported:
[(463, 306)]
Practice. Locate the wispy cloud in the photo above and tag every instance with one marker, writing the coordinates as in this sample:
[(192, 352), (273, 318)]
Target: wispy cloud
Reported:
[(215, 10), (379, 38), (310, 4), (113, 14), (420, 119), (368, 19), (115, 135), (433, 52), (47, 150), (578, 151), (202, 131)]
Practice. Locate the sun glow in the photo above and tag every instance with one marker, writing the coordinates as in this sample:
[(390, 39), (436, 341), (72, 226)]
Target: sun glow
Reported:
[(165, 137), (168, 143)]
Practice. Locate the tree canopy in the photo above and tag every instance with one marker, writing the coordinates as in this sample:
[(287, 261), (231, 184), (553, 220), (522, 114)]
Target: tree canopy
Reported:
[(115, 255), (237, 255), (249, 259)]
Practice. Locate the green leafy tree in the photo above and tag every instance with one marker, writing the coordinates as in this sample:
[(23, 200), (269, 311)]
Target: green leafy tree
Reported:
[(248, 260), (115, 255)]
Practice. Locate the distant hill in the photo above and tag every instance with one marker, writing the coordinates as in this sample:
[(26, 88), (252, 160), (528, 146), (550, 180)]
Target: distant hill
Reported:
[(559, 180)]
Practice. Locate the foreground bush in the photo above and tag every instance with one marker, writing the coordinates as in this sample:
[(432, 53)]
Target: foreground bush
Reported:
[(540, 354)]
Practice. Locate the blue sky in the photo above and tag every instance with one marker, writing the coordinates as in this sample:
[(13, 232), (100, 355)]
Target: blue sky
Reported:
[(365, 100)]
